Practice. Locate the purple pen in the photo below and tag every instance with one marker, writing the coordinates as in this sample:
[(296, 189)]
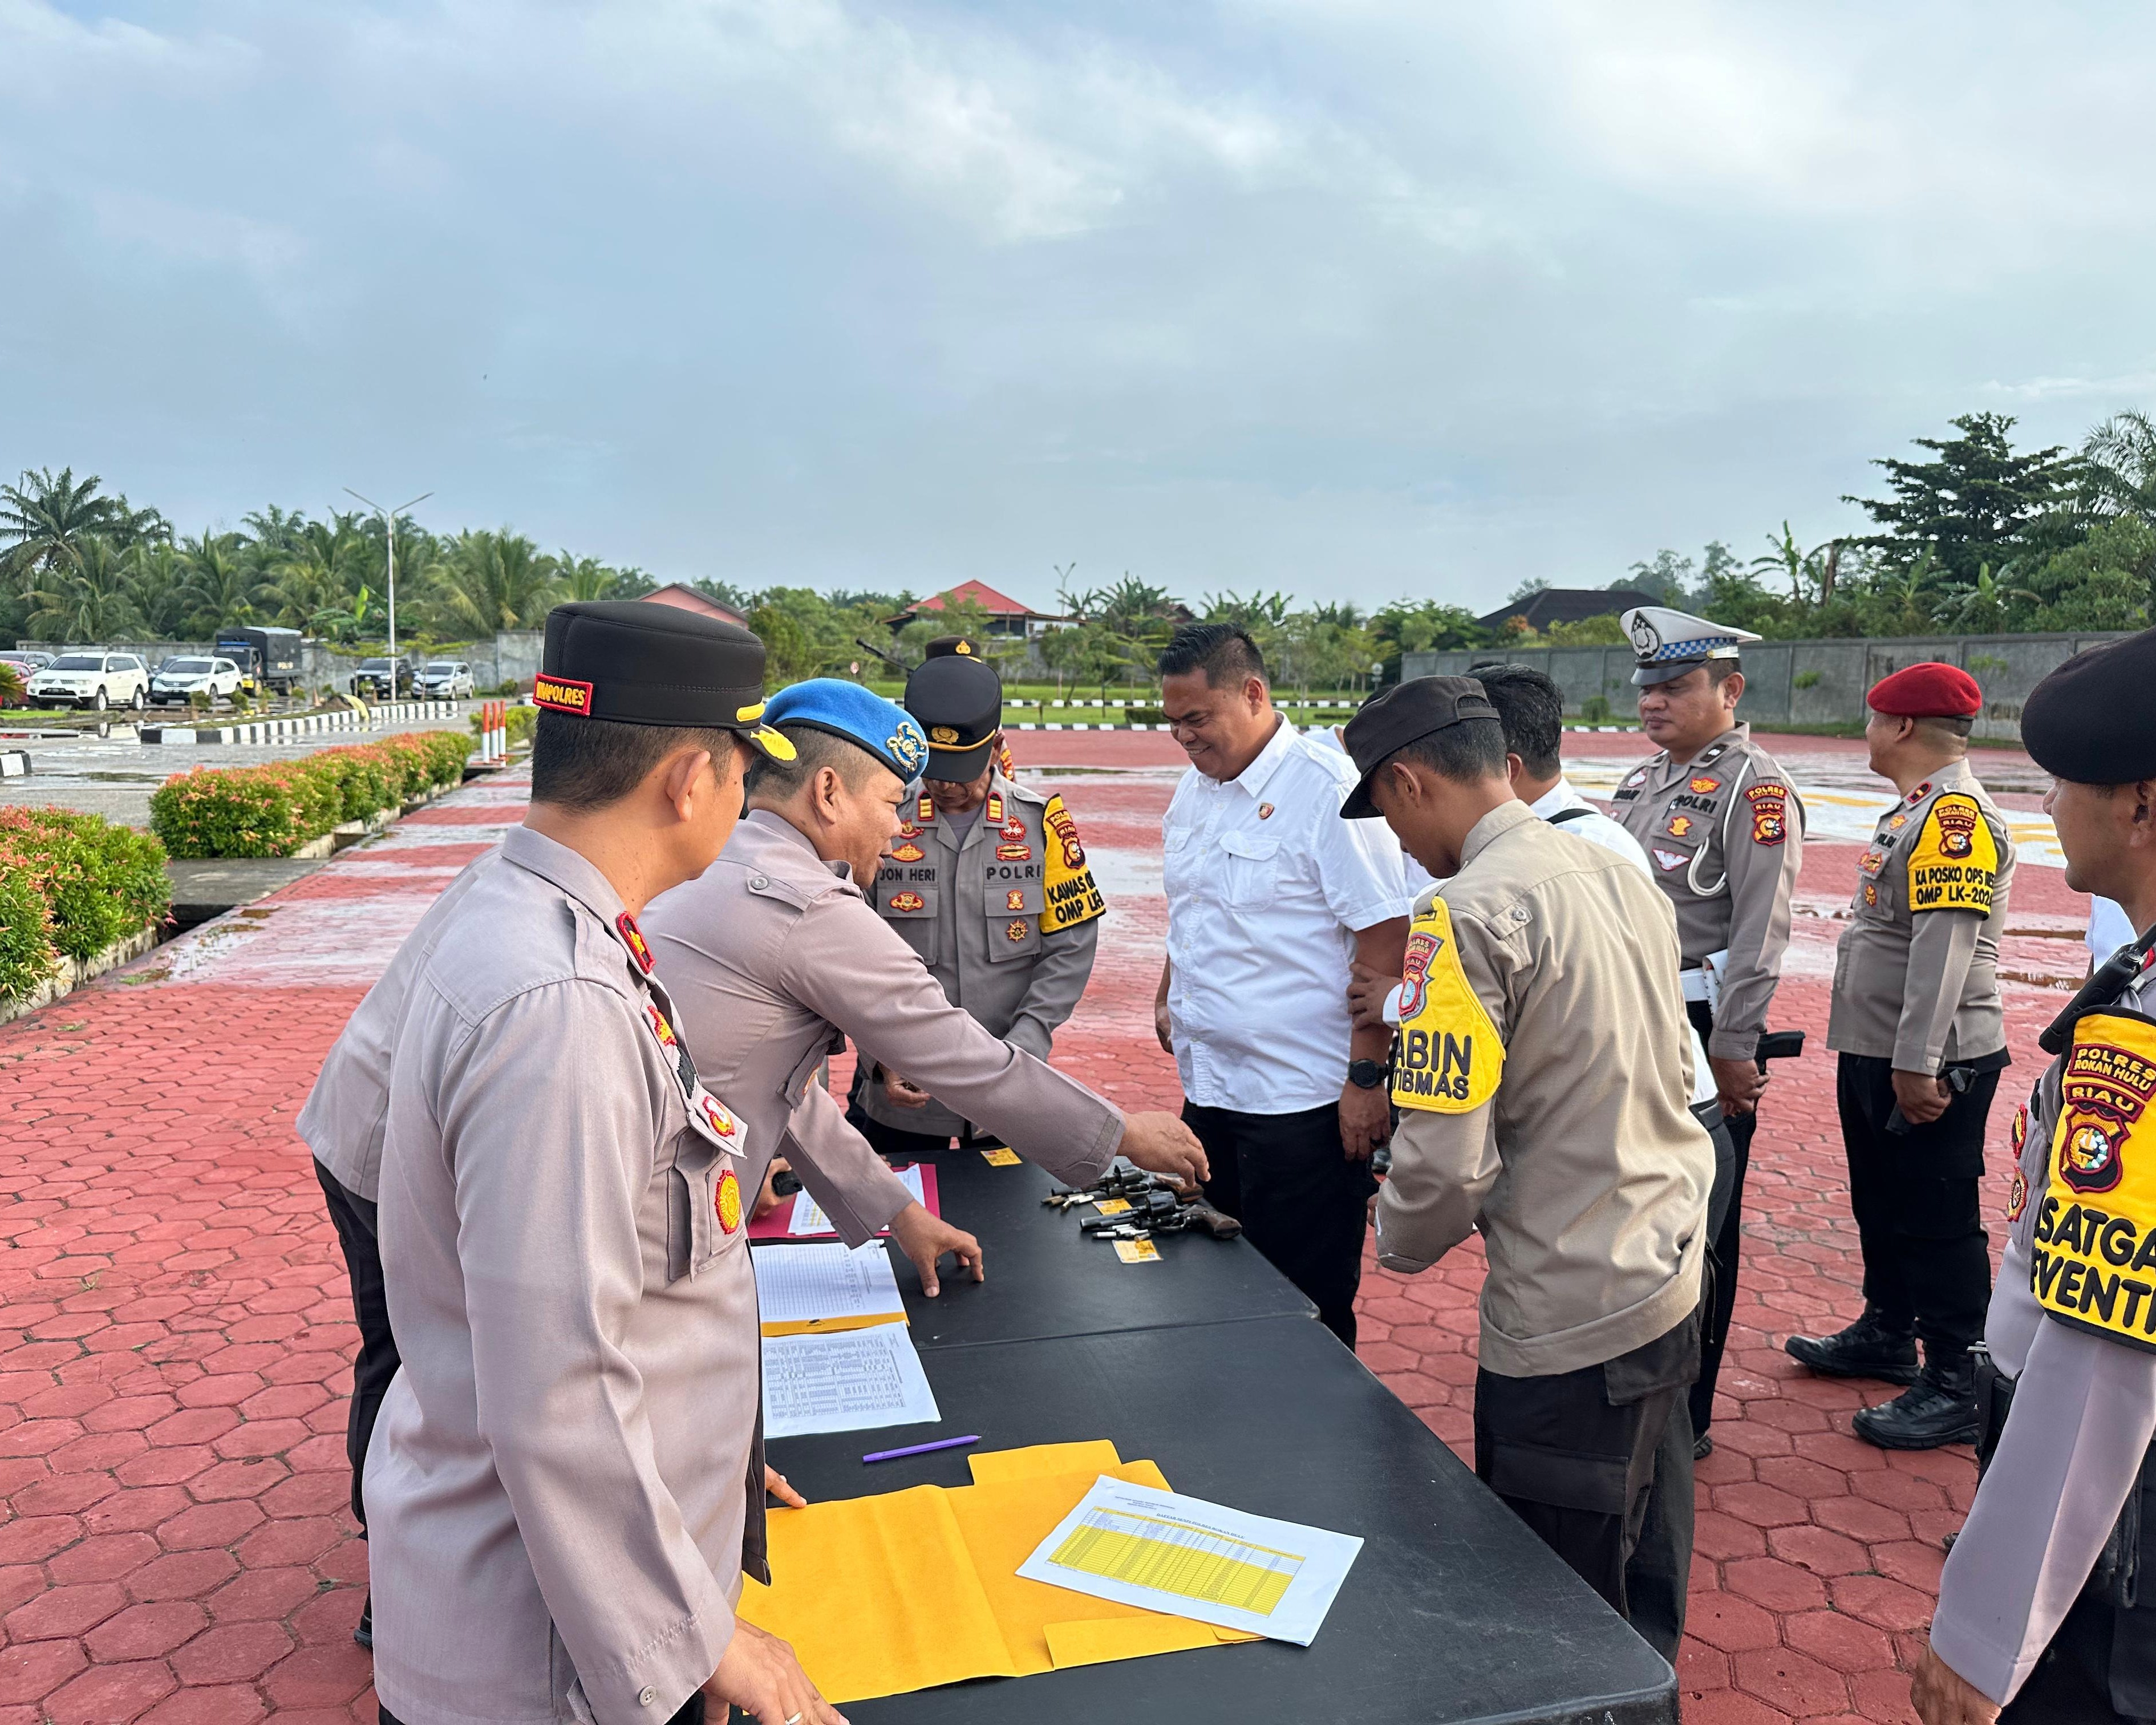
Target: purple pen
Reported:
[(921, 1449)]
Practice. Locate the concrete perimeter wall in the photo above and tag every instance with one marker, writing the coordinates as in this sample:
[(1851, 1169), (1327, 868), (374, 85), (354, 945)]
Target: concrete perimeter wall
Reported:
[(512, 652), (1801, 682)]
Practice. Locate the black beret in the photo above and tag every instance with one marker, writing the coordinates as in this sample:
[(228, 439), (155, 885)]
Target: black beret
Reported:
[(2093, 719), (640, 663), (1405, 713), (959, 702)]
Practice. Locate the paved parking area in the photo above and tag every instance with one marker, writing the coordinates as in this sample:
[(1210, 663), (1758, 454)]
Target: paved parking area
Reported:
[(175, 1335), (114, 775)]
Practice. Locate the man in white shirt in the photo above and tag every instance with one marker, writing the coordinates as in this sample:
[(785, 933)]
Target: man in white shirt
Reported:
[(1272, 897)]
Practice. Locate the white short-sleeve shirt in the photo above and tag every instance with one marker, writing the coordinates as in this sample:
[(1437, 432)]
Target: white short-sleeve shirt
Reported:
[(1267, 887)]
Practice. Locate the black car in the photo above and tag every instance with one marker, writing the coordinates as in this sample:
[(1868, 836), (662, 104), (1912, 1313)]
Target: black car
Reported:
[(373, 681)]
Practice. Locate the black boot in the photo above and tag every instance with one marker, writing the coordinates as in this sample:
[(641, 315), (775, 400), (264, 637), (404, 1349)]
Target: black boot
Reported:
[(1939, 1408), (364, 1635), (1870, 1347)]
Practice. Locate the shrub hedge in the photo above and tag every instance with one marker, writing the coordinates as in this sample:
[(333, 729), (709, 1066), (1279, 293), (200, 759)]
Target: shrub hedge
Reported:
[(71, 884), (522, 720), (274, 809)]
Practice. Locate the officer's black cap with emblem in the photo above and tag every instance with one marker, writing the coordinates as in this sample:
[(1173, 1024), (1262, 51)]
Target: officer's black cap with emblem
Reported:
[(635, 663), (2093, 719), (958, 700), (952, 646), (1406, 713), (1667, 644)]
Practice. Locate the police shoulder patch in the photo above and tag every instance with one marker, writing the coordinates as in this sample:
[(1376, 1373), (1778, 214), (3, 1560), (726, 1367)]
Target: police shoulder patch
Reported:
[(2092, 1251), (1070, 897), (1450, 1059), (1953, 866)]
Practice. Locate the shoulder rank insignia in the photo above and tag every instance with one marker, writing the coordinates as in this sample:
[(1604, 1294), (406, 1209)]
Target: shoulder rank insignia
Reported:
[(1450, 1059), (632, 937), (1954, 864), (924, 809), (995, 806), (2094, 1245)]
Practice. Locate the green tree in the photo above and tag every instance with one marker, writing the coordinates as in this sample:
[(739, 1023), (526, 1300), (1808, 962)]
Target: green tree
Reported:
[(220, 581), (583, 578), (45, 521), (154, 577), (1666, 578), (489, 581), (1972, 501), (2118, 468), (2105, 581), (85, 599)]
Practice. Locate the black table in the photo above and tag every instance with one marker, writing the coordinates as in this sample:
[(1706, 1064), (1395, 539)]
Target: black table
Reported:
[(1045, 1279), (1454, 1611)]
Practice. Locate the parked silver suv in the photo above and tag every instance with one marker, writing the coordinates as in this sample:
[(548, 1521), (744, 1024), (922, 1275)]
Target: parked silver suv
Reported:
[(95, 679), (445, 680)]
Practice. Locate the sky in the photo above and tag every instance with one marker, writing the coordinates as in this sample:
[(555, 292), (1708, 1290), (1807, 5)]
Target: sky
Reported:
[(1355, 300)]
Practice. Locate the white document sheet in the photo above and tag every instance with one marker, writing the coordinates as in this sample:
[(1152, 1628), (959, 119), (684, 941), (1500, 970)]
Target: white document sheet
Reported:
[(851, 1380), (808, 1217), (1163, 1551), (803, 1284)]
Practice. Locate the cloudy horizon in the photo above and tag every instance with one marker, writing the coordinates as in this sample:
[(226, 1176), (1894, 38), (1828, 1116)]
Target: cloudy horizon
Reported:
[(1357, 301)]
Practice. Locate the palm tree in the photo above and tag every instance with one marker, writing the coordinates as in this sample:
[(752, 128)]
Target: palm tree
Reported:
[(154, 577), (2119, 460), (325, 564), (1979, 607), (45, 521), (220, 583), (582, 577), (493, 581), (86, 600)]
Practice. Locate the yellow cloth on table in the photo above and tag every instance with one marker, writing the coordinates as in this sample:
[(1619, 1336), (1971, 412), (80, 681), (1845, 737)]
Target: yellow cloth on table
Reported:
[(883, 1595)]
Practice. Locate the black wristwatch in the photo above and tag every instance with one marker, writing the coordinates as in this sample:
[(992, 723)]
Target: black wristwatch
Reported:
[(1367, 1075)]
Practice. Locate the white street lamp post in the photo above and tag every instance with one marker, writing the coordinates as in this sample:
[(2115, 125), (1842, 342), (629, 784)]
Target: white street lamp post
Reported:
[(389, 522)]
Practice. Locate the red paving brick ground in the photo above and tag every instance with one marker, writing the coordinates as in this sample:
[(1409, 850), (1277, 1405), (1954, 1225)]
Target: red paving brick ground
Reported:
[(175, 1333)]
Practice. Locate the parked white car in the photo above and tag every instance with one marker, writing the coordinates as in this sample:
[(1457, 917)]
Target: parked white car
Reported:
[(178, 679), (445, 680), (96, 680)]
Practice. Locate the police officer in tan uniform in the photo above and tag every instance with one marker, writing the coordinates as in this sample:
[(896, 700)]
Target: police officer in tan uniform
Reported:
[(1543, 1084), (1724, 830), (777, 957), (987, 880), (566, 1481), (2046, 1604), (1922, 1038)]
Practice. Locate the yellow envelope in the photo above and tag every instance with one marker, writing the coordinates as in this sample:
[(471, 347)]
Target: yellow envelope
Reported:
[(886, 1595)]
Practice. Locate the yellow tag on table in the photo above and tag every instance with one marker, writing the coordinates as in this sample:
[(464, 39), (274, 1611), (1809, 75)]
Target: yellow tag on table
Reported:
[(1138, 1251), (1112, 1206), (1002, 1157)]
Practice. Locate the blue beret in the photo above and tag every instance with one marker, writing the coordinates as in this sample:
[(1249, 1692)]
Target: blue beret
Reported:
[(882, 727)]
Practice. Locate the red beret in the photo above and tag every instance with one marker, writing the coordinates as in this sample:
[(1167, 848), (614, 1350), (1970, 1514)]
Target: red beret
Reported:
[(1927, 692)]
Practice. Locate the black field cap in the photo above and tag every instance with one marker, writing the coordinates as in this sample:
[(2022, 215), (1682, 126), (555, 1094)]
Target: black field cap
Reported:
[(958, 700), (950, 646), (640, 663), (2093, 719), (1403, 714)]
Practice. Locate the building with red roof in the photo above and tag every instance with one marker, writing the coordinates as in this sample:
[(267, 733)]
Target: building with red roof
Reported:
[(1006, 617)]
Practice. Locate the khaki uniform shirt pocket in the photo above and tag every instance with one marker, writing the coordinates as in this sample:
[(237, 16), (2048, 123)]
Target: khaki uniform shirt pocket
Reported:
[(1249, 870), (1013, 909), (911, 909)]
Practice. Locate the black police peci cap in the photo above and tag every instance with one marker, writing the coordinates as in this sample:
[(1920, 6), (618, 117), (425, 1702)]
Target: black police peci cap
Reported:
[(958, 701), (2093, 720), (946, 646), (1403, 714), (635, 663)]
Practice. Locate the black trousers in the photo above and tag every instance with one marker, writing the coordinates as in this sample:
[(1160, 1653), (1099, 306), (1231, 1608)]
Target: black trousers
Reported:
[(2065, 1688), (1301, 1201), (1599, 1463), (354, 1218), (1926, 1258), (1725, 1241), (896, 1142)]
